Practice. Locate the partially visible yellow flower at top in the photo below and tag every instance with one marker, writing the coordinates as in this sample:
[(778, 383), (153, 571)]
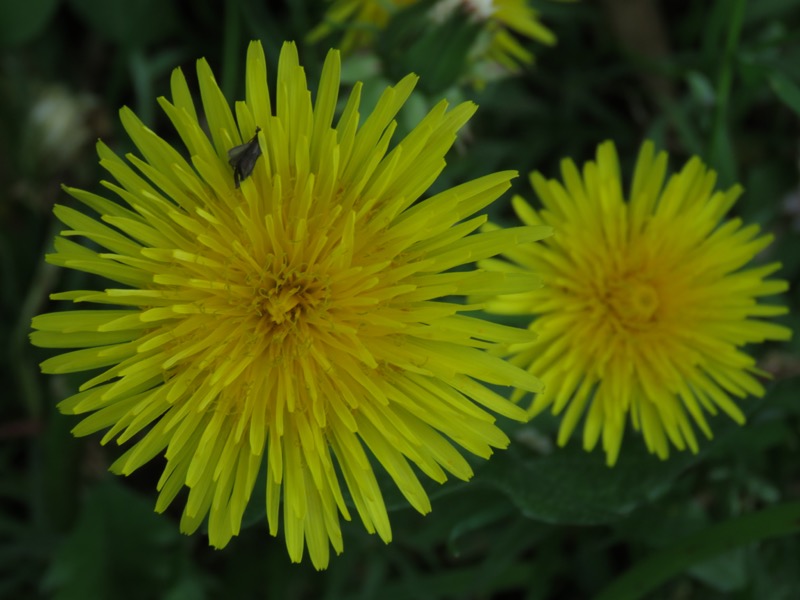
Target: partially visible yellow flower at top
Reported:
[(289, 317), (363, 20), (647, 303), (503, 19), (514, 16)]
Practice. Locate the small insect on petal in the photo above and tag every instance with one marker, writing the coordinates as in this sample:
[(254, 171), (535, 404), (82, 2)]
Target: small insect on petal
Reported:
[(243, 158)]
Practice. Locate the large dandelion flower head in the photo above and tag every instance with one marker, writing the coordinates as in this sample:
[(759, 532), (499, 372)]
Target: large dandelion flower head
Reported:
[(279, 307), (647, 301)]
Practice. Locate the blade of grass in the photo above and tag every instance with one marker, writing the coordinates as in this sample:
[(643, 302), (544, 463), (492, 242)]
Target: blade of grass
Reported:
[(720, 154), (42, 283), (646, 576)]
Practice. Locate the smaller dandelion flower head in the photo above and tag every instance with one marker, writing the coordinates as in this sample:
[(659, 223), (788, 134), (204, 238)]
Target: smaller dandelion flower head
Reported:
[(647, 301), (278, 306)]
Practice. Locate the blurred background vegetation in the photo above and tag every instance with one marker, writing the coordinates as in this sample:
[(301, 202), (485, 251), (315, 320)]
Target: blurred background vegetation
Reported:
[(720, 79)]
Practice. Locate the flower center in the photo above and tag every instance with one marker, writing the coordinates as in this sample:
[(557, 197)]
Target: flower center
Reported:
[(281, 303), (632, 301), (286, 295)]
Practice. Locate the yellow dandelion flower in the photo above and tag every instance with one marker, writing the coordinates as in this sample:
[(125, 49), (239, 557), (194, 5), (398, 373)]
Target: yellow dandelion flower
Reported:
[(510, 17), (503, 19), (364, 20), (288, 316), (647, 302)]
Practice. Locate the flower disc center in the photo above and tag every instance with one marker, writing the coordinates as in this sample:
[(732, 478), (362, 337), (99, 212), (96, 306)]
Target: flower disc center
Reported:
[(290, 297), (632, 301)]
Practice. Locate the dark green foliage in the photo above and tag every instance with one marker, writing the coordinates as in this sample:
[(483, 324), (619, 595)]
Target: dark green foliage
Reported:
[(536, 523)]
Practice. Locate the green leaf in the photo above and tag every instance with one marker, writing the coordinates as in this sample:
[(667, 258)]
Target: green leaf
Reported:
[(725, 573), (132, 23), (769, 9), (119, 549), (661, 566), (571, 486), (437, 51), (189, 588), (701, 88), (786, 90), (22, 21)]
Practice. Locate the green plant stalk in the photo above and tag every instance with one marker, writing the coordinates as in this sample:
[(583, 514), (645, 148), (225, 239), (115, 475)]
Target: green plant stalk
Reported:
[(719, 137), (44, 280), (646, 576)]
